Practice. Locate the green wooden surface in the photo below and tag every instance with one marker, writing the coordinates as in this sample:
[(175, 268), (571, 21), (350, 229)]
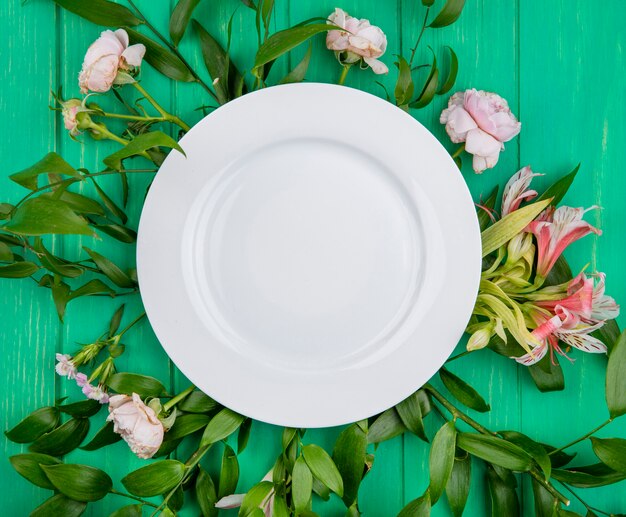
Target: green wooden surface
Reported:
[(561, 65)]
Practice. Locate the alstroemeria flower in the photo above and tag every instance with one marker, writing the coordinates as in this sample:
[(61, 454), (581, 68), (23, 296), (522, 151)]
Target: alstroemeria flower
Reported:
[(555, 230), (483, 120), (571, 319), (359, 40), (65, 366), (106, 56), (516, 190)]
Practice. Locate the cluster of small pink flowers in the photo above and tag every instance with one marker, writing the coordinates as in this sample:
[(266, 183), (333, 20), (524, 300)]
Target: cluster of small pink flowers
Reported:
[(65, 367)]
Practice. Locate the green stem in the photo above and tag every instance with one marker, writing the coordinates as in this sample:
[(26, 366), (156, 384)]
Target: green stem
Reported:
[(130, 325), (458, 356), (175, 50), (175, 400), (164, 114), (458, 151), (138, 118), (457, 413), (344, 74), (419, 38), (587, 506), (130, 496), (584, 437), (553, 491)]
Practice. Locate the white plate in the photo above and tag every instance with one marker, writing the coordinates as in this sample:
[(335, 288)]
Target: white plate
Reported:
[(313, 260)]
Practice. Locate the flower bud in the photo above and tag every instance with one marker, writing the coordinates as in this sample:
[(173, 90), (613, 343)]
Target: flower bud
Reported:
[(481, 337), (518, 247)]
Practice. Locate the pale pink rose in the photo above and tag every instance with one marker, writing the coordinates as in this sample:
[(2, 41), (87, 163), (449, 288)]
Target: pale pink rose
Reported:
[(555, 230), (137, 423), (65, 367), (483, 121), (105, 57), (359, 40), (516, 190)]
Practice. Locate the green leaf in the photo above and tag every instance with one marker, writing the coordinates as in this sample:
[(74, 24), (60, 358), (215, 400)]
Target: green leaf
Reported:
[(118, 232), (54, 264), (77, 202), (29, 467), (205, 494), (301, 485), (180, 19), (79, 482), (131, 510), (139, 144), (323, 467), (458, 485), (452, 73), (611, 452), (404, 85), (254, 498), (101, 12), (545, 503), (558, 458), (560, 272), (105, 436), (589, 476), (298, 74), (557, 190), (110, 204), (608, 334), (116, 319), (448, 14), (430, 87), (18, 270), (229, 473), (197, 402), (441, 460), (225, 423), (52, 163), (280, 507), (495, 450), (186, 425), (534, 449), (154, 479), (410, 412), (386, 426), (510, 225), (63, 439), (220, 67), (142, 385), (428, 3), (281, 42), (162, 59), (34, 425), (41, 216), (349, 456), (59, 505), (503, 497), (463, 392), (110, 270), (615, 378), (243, 435), (84, 408), (6, 255), (490, 202), (94, 286), (419, 507), (547, 374)]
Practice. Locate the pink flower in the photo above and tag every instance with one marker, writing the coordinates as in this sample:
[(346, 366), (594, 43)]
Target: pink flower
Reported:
[(81, 380), (105, 57), (583, 309), (69, 110), (516, 190), (95, 393), (137, 423), (483, 121), (555, 230), (65, 367), (359, 40)]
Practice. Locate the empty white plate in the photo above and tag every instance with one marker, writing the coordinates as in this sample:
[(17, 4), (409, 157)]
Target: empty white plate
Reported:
[(313, 260)]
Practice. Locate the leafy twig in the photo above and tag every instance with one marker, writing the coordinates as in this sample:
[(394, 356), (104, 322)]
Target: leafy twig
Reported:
[(583, 437)]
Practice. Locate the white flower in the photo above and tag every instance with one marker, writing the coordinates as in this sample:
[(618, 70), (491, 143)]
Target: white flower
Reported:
[(65, 367), (137, 423), (359, 40)]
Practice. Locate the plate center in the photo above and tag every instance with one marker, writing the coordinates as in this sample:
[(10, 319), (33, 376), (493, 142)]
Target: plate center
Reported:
[(305, 253)]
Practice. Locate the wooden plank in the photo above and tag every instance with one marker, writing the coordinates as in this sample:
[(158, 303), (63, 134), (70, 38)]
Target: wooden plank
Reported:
[(485, 40), (29, 328), (572, 102)]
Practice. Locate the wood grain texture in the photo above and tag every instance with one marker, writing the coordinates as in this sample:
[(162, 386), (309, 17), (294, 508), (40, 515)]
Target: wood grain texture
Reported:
[(560, 63)]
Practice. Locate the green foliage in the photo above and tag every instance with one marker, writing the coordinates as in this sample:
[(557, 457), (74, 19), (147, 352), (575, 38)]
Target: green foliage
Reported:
[(154, 479), (615, 378), (181, 15), (79, 482), (323, 468), (463, 392), (143, 385), (101, 12), (225, 423), (34, 425)]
